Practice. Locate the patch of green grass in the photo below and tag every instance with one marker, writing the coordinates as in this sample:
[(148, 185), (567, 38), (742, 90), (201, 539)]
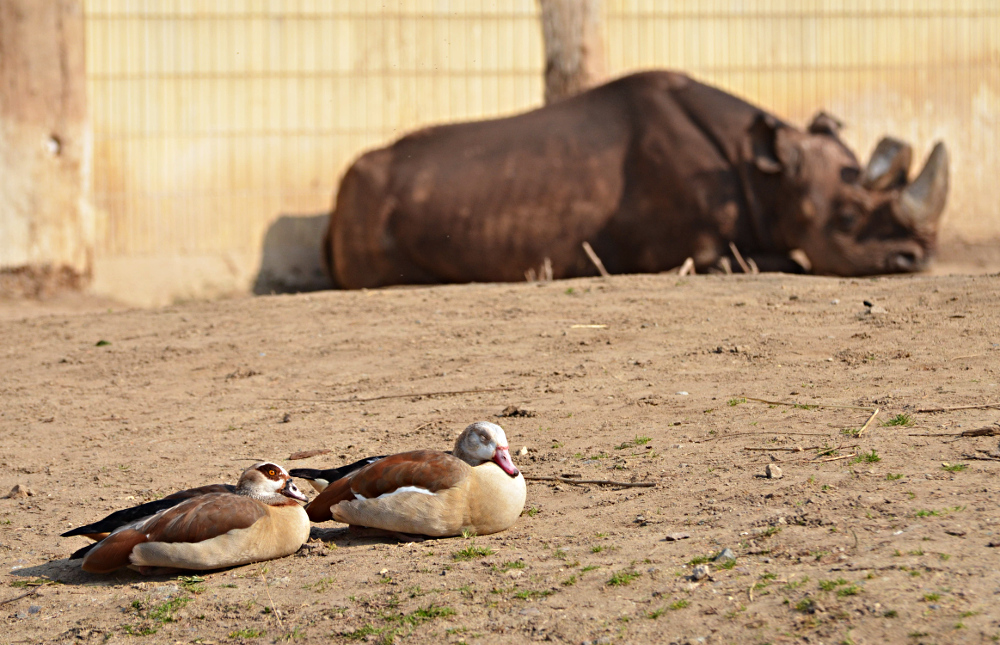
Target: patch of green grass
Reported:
[(468, 533), (528, 594), (868, 457), (917, 552), (623, 578), (892, 613), (791, 585), (192, 584), (560, 554), (362, 633), (321, 585), (850, 432), (805, 605), (569, 582), (734, 402), (830, 585), (590, 567), (680, 604), (425, 614), (700, 559), (954, 468), (37, 582), (472, 551), (164, 612), (898, 420), (530, 512), (932, 597), (598, 548), (507, 566), (851, 590), (894, 476), (249, 632), (139, 631)]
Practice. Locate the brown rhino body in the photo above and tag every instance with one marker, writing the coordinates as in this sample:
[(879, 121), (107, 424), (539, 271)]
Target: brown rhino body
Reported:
[(649, 169)]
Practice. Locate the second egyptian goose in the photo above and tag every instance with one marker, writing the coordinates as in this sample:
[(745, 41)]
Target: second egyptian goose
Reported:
[(261, 520), (425, 492), (100, 529)]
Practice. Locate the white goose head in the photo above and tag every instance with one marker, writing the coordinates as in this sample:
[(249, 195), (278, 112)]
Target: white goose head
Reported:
[(482, 442), (268, 482)]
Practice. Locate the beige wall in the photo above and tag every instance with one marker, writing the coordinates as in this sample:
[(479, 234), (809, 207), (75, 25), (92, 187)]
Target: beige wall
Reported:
[(45, 225), (213, 119)]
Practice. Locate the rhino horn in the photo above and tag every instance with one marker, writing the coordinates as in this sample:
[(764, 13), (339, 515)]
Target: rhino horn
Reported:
[(889, 165), (921, 203)]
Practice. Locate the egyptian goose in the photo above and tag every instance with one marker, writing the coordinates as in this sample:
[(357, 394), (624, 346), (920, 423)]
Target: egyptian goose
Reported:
[(427, 492), (100, 529), (320, 479), (261, 520)]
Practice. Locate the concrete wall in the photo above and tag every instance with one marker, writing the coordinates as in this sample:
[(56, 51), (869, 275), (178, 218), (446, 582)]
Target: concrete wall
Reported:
[(46, 230), (212, 120)]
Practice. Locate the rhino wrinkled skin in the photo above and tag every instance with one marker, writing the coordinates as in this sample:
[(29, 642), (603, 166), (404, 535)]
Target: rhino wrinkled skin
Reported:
[(650, 169)]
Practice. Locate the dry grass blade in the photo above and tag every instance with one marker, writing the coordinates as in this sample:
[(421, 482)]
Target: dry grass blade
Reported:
[(598, 482), (596, 260), (739, 258), (984, 406), (274, 610), (868, 422), (395, 396), (793, 404)]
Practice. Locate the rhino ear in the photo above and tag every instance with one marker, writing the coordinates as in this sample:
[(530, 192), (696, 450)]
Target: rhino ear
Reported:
[(823, 123), (771, 146)]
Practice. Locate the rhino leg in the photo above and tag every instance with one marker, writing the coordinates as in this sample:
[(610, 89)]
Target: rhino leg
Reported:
[(361, 247)]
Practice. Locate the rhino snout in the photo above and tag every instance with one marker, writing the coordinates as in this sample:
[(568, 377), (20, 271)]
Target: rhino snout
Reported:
[(905, 262)]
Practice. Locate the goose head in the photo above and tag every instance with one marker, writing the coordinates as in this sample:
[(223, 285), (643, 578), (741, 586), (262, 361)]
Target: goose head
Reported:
[(482, 442), (268, 482)]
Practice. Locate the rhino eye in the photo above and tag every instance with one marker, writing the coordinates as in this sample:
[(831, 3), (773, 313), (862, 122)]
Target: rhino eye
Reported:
[(850, 175), (846, 219)]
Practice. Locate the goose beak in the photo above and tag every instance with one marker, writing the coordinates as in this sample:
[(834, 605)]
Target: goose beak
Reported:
[(502, 459), (291, 490)]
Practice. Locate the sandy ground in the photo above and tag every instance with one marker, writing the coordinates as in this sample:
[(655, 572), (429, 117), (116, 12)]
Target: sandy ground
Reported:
[(877, 538)]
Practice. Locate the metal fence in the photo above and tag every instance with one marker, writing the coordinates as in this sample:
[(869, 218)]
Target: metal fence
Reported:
[(212, 118)]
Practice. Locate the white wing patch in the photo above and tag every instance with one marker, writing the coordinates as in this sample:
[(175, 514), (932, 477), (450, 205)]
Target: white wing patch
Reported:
[(404, 489)]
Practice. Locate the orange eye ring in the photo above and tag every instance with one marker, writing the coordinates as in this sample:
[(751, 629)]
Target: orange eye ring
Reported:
[(271, 472)]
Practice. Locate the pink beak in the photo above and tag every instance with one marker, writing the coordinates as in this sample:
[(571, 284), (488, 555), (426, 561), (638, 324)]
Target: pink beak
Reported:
[(502, 458), (291, 490)]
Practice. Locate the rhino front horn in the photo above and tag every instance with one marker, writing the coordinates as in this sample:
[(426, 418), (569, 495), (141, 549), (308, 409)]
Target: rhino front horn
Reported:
[(889, 165), (921, 203)]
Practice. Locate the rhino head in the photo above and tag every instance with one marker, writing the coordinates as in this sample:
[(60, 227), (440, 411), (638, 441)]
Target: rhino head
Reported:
[(847, 219)]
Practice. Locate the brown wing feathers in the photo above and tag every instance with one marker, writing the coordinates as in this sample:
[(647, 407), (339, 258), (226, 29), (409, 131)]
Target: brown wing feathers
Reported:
[(193, 520), (428, 469)]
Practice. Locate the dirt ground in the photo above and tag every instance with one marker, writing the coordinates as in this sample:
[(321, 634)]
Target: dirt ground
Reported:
[(880, 536)]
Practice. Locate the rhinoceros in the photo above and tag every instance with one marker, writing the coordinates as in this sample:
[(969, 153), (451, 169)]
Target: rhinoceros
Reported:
[(649, 169)]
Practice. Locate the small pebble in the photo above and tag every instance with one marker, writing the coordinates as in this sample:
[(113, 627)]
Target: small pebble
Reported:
[(681, 393), (700, 572), (523, 451), (725, 554), (773, 472)]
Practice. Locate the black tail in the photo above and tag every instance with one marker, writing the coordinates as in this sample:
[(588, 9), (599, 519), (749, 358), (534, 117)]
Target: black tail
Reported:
[(79, 553), (332, 474)]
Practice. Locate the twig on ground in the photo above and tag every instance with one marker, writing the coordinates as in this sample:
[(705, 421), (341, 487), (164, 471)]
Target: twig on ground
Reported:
[(868, 422), (805, 405), (599, 482), (687, 267), (794, 449), (979, 458), (274, 609), (596, 260), (393, 396), (988, 431), (24, 595), (983, 406), (820, 461), (739, 258)]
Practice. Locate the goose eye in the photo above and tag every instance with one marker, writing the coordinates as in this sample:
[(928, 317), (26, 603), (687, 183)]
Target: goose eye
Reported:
[(271, 472)]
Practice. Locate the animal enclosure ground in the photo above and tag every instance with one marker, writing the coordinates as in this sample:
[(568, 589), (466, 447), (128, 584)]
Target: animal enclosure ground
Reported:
[(874, 536)]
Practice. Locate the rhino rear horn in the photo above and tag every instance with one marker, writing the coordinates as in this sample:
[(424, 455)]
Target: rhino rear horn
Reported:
[(889, 165), (921, 203)]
